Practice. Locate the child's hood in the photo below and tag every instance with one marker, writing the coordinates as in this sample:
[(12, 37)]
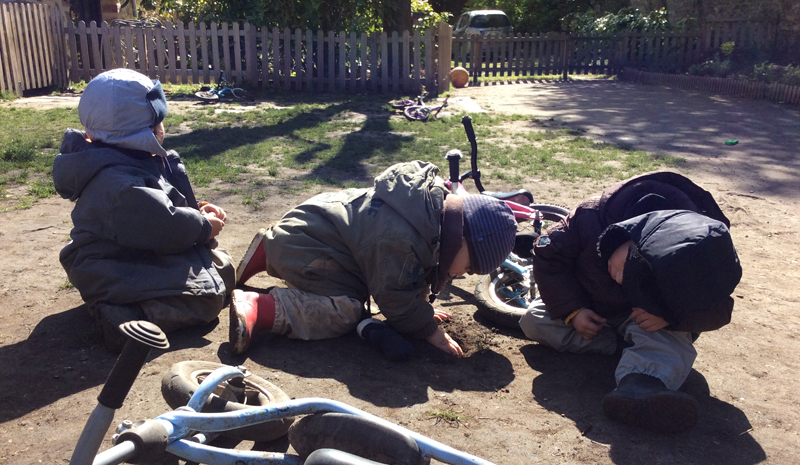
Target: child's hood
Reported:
[(79, 162), (409, 189)]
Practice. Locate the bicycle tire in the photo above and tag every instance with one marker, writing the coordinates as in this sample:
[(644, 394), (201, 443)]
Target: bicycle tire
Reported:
[(401, 104), (242, 94), (501, 296), (207, 96), (183, 378), (346, 432), (417, 113)]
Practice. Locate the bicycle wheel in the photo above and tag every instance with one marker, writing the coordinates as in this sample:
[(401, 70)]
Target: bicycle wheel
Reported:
[(417, 113), (183, 378), (345, 432), (207, 96), (242, 94), (401, 104), (503, 296)]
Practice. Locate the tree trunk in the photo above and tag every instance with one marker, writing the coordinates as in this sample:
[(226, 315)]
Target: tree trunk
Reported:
[(397, 16)]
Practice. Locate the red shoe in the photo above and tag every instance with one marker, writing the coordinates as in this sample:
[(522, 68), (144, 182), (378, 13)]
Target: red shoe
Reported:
[(250, 313), (254, 261)]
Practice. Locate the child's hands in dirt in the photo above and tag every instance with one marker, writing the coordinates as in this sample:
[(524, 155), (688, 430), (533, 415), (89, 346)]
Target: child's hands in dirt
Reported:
[(648, 321), (588, 323), (442, 341), (440, 315)]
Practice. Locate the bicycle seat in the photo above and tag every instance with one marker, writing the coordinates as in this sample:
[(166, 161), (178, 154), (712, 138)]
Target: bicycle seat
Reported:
[(336, 457), (521, 196)]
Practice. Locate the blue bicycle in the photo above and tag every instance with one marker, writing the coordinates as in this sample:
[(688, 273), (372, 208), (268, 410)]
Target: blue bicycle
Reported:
[(231, 401), (223, 90)]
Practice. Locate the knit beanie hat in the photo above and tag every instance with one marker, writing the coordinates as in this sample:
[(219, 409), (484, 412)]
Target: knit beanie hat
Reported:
[(119, 107), (490, 229), (680, 262)]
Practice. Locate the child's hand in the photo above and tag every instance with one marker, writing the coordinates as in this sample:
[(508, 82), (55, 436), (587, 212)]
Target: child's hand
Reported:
[(648, 321), (440, 315), (442, 341), (213, 209), (588, 323), (216, 224)]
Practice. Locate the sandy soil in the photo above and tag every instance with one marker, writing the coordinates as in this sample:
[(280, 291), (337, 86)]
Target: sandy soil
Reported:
[(519, 403)]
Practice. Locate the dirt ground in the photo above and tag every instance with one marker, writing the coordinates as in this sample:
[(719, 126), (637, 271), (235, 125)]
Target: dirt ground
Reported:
[(518, 403)]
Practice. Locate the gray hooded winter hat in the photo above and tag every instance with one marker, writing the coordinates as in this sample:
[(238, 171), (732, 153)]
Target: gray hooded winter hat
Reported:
[(120, 107)]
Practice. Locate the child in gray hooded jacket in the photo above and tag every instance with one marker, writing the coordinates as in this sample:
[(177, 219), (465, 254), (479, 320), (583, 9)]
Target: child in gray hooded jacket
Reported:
[(142, 247)]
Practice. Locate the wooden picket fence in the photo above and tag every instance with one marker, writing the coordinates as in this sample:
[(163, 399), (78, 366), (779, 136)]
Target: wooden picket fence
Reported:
[(31, 54), (748, 89), (562, 54), (279, 59)]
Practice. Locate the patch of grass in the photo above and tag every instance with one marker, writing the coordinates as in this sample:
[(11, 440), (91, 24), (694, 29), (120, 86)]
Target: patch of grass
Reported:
[(65, 285), (448, 416), (327, 141), (42, 188)]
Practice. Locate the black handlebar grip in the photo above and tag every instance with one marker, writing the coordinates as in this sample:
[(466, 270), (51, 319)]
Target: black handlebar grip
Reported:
[(467, 122), (453, 159), (124, 373), (143, 336)]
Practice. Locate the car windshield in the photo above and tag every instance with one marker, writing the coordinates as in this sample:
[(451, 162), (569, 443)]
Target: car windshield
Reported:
[(484, 21)]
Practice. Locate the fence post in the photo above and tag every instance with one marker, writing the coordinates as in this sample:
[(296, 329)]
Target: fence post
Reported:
[(565, 57), (445, 43)]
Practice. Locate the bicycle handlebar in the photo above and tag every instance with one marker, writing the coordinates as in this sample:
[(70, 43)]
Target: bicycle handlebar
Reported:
[(473, 142)]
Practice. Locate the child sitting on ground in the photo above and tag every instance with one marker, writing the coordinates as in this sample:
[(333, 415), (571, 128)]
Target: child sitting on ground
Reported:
[(650, 261), (142, 247)]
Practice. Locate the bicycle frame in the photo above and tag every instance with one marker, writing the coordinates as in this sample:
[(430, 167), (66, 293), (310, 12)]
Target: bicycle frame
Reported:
[(187, 430)]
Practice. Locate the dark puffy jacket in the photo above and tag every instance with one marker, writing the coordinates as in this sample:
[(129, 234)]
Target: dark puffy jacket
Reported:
[(135, 237), (569, 272)]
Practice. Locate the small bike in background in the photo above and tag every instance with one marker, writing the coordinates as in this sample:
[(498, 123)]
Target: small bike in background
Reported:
[(418, 110), (223, 90)]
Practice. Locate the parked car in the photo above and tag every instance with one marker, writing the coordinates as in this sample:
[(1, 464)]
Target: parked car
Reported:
[(484, 22)]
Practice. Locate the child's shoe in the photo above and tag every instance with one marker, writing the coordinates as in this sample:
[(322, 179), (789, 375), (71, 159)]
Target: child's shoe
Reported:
[(254, 260), (644, 401), (250, 312), (387, 340)]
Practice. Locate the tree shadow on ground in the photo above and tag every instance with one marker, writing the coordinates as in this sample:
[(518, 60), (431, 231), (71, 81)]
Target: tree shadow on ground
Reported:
[(373, 137), (74, 360), (574, 386)]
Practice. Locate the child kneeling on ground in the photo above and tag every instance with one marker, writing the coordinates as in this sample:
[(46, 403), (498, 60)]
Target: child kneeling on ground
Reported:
[(142, 247), (397, 242), (642, 268)]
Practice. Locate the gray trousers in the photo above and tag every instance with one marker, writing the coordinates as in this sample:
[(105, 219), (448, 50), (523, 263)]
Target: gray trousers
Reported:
[(666, 355), (175, 312)]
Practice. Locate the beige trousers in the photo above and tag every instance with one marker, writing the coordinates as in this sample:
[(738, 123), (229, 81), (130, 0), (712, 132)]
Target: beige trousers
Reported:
[(308, 316)]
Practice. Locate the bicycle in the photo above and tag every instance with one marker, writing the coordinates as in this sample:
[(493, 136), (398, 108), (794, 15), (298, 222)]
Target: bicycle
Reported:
[(417, 110), (185, 431), (404, 103), (422, 111), (223, 90), (503, 295)]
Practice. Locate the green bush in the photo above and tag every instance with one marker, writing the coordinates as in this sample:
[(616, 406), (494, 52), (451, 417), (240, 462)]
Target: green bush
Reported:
[(770, 73), (626, 19)]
